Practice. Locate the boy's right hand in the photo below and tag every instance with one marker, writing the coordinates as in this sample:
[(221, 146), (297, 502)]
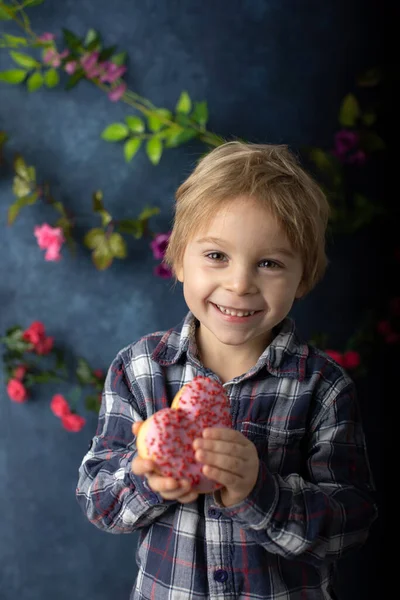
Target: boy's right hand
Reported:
[(167, 487)]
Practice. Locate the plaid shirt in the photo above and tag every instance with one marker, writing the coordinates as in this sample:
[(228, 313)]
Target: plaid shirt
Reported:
[(310, 505)]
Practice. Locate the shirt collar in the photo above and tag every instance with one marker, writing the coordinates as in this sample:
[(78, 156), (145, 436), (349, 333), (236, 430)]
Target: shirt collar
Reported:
[(285, 356)]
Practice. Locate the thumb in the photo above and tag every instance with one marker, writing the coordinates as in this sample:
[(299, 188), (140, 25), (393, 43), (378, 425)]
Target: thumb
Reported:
[(136, 426)]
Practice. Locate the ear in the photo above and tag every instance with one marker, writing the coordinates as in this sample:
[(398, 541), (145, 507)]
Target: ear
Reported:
[(301, 290)]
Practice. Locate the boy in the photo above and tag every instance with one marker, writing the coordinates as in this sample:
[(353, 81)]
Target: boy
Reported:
[(248, 239)]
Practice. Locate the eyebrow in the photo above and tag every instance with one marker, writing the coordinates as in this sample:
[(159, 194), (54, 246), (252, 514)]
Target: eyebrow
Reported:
[(274, 250)]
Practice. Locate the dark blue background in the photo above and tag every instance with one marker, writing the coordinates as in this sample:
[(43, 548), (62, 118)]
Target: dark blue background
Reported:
[(271, 71)]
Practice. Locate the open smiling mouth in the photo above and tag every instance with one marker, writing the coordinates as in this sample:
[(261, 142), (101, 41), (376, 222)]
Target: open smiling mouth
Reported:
[(235, 313)]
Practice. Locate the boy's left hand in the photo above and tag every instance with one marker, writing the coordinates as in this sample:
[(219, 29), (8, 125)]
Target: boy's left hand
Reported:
[(230, 459)]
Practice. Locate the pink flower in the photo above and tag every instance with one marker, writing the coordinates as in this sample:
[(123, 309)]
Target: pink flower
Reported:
[(46, 37), (35, 333), (88, 61), (112, 72), (117, 93), (337, 356), (159, 245), (70, 67), (73, 422), (98, 373), (351, 359), (162, 270), (51, 57), (17, 391), (19, 372), (44, 346), (50, 239), (60, 406)]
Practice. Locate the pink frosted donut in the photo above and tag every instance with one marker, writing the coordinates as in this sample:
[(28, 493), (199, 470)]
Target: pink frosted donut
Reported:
[(167, 436)]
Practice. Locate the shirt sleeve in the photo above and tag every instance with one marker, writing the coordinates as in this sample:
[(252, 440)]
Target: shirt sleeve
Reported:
[(319, 517), (110, 495)]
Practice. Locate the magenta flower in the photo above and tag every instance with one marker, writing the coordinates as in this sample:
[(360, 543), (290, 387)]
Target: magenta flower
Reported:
[(347, 147), (50, 239), (159, 245), (117, 93), (358, 158), (162, 270), (46, 37)]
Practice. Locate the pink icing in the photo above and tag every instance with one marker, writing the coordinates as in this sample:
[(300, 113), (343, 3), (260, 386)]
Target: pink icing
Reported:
[(171, 432)]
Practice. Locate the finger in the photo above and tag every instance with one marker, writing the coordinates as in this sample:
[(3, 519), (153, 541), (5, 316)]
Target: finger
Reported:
[(136, 426), (231, 464), (190, 497), (225, 434), (228, 448), (225, 478), (141, 466)]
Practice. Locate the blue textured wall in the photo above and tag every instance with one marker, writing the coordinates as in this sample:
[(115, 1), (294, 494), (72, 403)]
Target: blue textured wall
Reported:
[(271, 71)]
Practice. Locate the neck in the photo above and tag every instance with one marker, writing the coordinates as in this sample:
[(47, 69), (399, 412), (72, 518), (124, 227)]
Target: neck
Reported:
[(227, 361)]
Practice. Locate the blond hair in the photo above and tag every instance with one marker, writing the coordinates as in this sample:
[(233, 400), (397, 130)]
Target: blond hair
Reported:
[(271, 175)]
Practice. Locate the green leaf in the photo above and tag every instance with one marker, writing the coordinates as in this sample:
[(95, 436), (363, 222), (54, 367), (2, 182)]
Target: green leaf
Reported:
[(13, 76), (131, 226), (148, 212), (14, 41), (119, 59), (15, 208), (6, 13), (155, 122), (98, 201), (92, 403), (180, 138), (94, 238), (84, 372), (371, 141), (35, 81), (74, 79), (349, 111), (71, 40), (24, 60), (51, 78), (92, 39), (371, 78), (368, 118), (107, 53), (200, 113), (29, 3), (117, 245), (102, 257), (154, 150), (184, 103), (115, 132), (131, 147), (13, 212), (135, 124)]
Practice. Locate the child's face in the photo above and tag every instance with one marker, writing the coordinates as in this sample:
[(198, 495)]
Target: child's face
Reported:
[(241, 263)]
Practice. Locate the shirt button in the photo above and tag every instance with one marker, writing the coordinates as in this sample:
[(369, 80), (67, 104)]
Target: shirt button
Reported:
[(220, 575), (214, 513)]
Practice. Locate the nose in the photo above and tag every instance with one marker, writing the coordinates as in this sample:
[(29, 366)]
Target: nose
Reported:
[(240, 280)]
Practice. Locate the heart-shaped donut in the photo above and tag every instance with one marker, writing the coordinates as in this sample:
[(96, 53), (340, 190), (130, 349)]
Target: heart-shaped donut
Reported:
[(166, 437)]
